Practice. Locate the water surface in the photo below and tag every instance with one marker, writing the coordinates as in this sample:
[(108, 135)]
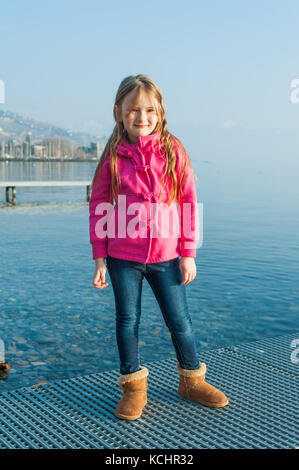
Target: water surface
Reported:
[(55, 325)]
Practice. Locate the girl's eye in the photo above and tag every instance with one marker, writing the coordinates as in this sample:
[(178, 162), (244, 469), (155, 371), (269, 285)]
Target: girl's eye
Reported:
[(135, 110)]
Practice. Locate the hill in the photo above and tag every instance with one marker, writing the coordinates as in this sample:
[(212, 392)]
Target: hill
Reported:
[(14, 126)]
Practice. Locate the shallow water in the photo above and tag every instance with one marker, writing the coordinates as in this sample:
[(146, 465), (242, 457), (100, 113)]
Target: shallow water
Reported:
[(55, 325)]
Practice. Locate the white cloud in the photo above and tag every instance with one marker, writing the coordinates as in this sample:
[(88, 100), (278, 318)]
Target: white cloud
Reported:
[(228, 124)]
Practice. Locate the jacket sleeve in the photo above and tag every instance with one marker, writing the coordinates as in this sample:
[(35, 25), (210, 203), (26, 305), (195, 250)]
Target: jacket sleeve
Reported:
[(190, 234), (100, 194)]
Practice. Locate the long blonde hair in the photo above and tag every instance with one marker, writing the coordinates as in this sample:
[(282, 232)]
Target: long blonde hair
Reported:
[(170, 143)]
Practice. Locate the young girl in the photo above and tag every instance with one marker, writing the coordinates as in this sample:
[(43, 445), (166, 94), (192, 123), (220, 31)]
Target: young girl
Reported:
[(145, 167)]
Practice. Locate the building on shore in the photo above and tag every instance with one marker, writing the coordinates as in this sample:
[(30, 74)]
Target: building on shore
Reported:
[(57, 147), (39, 151)]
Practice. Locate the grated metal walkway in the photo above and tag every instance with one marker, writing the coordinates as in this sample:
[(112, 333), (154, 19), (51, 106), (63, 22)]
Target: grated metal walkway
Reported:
[(260, 378)]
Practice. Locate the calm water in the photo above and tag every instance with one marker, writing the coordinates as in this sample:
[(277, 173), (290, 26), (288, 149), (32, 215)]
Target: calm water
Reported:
[(54, 324)]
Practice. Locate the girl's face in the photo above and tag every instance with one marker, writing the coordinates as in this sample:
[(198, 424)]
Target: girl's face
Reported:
[(138, 114)]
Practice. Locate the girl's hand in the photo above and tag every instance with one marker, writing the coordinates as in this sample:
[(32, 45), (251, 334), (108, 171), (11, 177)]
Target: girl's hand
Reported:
[(188, 269), (99, 274)]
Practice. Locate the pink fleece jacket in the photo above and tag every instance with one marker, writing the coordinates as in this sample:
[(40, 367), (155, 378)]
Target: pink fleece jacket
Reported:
[(141, 167)]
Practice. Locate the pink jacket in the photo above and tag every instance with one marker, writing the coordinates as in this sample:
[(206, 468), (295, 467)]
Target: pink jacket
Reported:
[(141, 167)]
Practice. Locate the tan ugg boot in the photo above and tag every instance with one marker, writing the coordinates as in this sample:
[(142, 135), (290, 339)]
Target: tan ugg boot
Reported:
[(193, 387), (134, 398), (4, 369)]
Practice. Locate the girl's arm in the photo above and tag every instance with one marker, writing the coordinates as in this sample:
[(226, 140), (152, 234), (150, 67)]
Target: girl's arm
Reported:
[(189, 207), (100, 274), (100, 193)]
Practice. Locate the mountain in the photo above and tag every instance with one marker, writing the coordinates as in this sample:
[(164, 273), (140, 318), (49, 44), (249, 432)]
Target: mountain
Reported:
[(14, 126)]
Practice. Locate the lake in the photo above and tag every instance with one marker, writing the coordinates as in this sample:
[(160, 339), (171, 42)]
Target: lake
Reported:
[(55, 324)]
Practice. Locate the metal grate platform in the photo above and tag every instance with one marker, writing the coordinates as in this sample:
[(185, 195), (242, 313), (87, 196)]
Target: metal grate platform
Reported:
[(259, 378)]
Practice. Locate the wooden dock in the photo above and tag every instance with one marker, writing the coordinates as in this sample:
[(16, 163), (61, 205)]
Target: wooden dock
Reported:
[(12, 185)]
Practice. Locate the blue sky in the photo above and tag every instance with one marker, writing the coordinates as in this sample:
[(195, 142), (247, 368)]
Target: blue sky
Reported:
[(225, 68)]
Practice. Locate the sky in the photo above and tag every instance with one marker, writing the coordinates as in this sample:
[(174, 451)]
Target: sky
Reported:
[(225, 68)]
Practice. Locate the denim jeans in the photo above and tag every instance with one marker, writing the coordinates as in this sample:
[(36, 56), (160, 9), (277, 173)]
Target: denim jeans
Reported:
[(164, 278)]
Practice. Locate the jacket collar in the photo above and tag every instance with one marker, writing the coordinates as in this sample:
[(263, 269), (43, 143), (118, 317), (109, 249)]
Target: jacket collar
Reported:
[(147, 144), (144, 141)]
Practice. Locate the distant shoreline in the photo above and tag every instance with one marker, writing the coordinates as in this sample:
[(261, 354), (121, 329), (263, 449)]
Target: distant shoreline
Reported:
[(53, 159)]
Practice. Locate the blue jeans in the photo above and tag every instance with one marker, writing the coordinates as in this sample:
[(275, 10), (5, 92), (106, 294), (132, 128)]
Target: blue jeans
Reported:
[(164, 278)]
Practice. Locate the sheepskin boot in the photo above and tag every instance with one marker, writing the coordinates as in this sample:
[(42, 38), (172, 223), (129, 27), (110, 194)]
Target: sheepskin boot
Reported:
[(193, 386), (134, 397), (4, 369)]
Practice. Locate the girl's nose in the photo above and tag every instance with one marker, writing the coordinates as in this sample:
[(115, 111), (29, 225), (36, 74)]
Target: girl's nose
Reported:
[(142, 117)]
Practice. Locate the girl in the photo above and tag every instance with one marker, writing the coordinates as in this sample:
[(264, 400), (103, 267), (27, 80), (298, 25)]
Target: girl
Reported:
[(144, 166)]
